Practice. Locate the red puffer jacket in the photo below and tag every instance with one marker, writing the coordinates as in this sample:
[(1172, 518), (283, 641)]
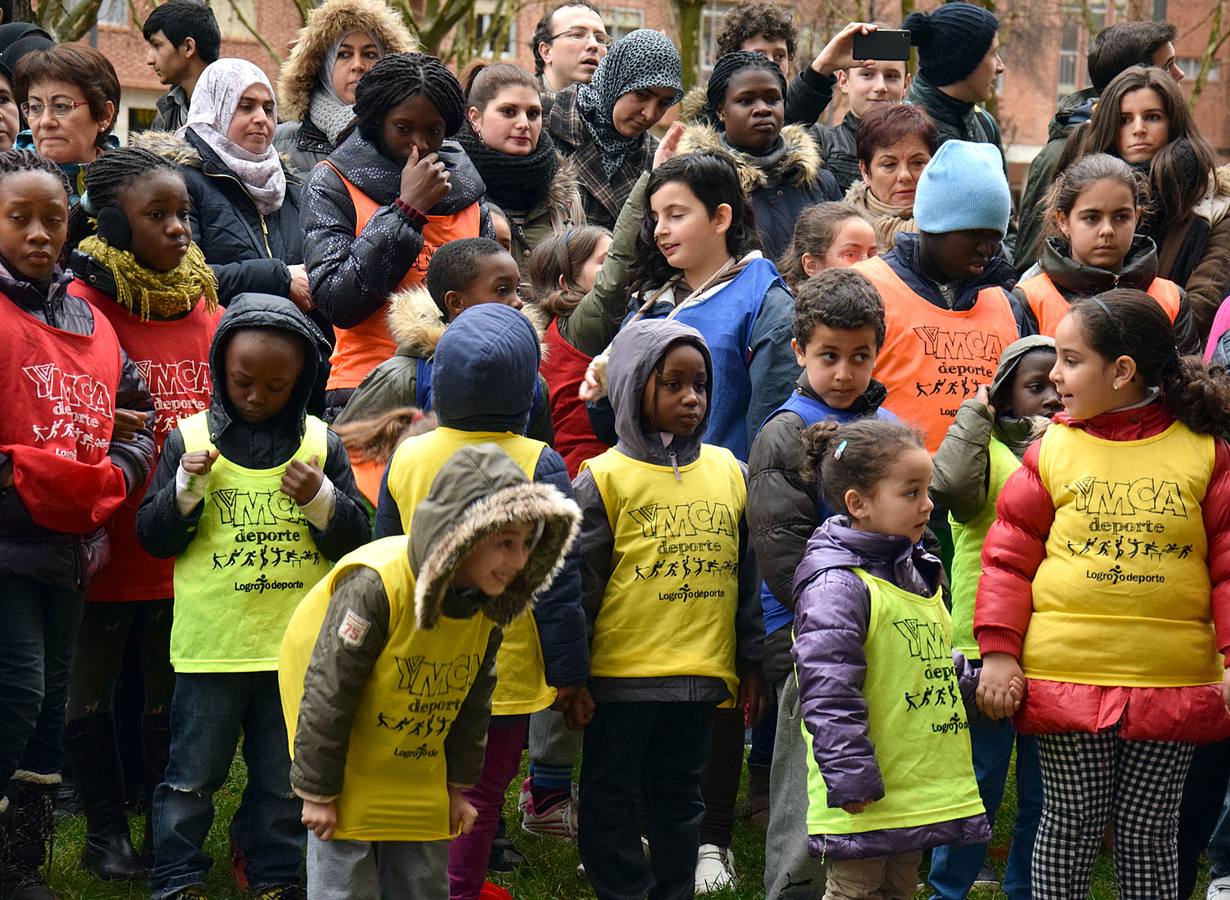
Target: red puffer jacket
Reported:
[(1014, 549)]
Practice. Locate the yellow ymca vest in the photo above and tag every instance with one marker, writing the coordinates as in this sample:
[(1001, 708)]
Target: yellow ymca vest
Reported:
[(250, 563), (669, 606), (915, 717), (1122, 596), (395, 785), (967, 540), (934, 358), (521, 676)]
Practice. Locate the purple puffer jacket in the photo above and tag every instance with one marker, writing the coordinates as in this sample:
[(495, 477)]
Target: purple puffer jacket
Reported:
[(832, 612)]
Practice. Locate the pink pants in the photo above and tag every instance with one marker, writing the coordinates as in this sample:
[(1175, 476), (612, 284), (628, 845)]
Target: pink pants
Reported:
[(468, 854)]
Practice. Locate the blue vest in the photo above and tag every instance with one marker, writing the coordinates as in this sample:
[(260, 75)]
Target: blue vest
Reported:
[(810, 411)]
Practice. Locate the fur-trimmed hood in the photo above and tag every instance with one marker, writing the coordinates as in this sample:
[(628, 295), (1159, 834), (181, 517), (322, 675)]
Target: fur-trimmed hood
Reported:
[(417, 326), (1216, 203), (799, 164), (477, 492), (326, 25), (692, 107)]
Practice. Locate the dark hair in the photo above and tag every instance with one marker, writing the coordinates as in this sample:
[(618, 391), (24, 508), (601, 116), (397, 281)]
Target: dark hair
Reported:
[(562, 256), (856, 455), (484, 81), (842, 299), (454, 266), (183, 19), (79, 65), (814, 232), (6, 10), (750, 20), (14, 162), (714, 180), (889, 123), (1122, 45), (1174, 187), (105, 178), (727, 67), (398, 76), (374, 440), (545, 28), (1126, 322), (1086, 171)]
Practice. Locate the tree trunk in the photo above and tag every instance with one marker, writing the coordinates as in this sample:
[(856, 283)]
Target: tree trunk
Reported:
[(1216, 39), (689, 14)]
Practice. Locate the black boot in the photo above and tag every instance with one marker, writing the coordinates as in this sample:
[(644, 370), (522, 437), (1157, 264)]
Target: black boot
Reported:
[(28, 824), (90, 744), (155, 752)]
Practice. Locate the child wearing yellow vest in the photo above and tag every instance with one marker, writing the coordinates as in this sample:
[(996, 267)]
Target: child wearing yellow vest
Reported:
[(485, 368), (983, 447), (1091, 245), (388, 670), (672, 596), (1105, 585), (254, 499), (881, 690)]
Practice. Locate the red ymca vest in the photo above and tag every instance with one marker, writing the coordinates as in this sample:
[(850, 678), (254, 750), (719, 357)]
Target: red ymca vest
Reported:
[(360, 349), (934, 358), (173, 358), (1049, 306), (563, 365), (59, 413)]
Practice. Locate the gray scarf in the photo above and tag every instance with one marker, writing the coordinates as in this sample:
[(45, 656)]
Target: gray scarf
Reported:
[(329, 114)]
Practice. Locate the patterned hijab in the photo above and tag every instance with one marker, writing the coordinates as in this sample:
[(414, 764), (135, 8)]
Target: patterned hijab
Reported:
[(643, 59), (214, 101)]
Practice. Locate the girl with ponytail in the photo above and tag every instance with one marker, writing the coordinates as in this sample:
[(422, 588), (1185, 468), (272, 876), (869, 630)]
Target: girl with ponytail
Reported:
[(1105, 587)]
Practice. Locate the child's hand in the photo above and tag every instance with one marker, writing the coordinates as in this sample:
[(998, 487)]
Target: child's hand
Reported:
[(1001, 686), (198, 462), (593, 385), (424, 182), (320, 818), (669, 145), (983, 396), (461, 812), (855, 808), (302, 481), (580, 712), (753, 699), (126, 424)]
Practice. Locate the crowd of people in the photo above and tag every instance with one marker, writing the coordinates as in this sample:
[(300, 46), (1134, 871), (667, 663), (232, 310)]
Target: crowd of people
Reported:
[(406, 421)]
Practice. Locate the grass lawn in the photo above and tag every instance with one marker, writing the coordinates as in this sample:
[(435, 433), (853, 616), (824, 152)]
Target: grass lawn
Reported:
[(549, 875)]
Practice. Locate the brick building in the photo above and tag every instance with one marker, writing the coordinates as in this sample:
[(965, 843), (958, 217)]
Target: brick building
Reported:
[(1044, 47)]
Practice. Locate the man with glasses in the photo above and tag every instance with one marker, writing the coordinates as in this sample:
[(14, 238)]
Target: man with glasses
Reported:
[(568, 43)]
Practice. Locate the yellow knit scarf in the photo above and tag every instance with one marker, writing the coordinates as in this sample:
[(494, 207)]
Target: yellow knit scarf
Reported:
[(162, 295)]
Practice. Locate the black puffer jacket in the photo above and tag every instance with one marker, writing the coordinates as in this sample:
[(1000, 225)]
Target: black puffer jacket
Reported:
[(247, 251), (26, 548), (839, 148)]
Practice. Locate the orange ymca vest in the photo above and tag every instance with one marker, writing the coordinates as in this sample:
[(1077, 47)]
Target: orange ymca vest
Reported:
[(360, 349), (1049, 306), (935, 358)]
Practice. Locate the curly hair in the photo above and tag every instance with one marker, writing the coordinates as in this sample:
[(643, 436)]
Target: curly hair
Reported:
[(841, 299), (751, 20)]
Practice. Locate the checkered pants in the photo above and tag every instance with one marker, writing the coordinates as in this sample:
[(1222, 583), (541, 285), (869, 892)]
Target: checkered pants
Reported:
[(1087, 779)]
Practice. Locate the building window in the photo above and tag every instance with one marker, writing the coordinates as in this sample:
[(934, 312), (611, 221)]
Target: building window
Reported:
[(1069, 57), (1191, 68), (621, 21), (140, 119), (495, 22), (710, 27), (229, 22), (113, 12)]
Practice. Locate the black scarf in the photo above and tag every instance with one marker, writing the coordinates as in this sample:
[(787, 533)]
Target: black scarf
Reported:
[(517, 183)]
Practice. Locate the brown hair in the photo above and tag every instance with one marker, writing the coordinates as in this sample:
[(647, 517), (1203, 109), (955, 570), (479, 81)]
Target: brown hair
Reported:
[(484, 80), (1083, 173), (856, 455), (374, 440), (1173, 187), (748, 21), (79, 65), (841, 299), (1126, 322), (814, 232), (888, 124), (562, 256)]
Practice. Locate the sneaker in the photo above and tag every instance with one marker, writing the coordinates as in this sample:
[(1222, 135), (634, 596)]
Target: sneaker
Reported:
[(988, 877), (1219, 888), (555, 820), (280, 892), (715, 868), (504, 856)]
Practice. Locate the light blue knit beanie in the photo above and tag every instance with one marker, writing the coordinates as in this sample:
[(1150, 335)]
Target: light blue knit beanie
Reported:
[(963, 188)]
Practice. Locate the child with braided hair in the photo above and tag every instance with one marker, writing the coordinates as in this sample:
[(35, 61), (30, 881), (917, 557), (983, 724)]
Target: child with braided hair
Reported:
[(392, 193), (135, 264)]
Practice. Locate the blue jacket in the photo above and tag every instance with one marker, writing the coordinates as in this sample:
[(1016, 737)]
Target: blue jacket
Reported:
[(484, 370)]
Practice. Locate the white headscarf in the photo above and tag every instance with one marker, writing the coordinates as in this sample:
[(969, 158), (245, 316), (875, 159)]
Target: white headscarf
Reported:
[(214, 101)]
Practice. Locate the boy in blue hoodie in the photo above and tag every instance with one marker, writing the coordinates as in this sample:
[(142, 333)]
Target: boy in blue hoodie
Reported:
[(485, 368), (254, 498)]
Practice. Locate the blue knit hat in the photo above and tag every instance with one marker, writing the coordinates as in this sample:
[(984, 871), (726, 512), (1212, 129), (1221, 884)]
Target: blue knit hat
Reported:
[(951, 40), (963, 188)]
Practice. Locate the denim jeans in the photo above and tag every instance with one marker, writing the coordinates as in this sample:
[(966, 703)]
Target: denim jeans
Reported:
[(207, 713), (954, 868), (38, 629)]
